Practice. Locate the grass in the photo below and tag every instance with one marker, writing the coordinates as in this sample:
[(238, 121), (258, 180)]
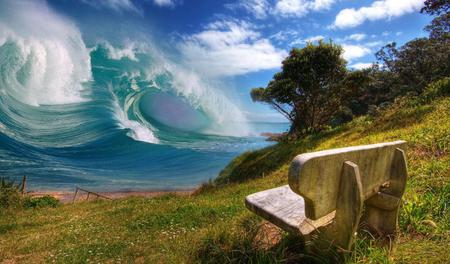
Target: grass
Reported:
[(213, 226)]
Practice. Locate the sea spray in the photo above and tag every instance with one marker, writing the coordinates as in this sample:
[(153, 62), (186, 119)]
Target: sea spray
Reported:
[(77, 115)]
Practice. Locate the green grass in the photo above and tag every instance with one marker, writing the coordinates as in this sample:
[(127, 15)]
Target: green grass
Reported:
[(213, 226)]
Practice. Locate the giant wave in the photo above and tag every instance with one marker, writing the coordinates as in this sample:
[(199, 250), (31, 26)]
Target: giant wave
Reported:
[(108, 115)]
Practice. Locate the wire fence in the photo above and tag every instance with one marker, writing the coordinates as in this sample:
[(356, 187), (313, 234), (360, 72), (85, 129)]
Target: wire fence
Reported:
[(21, 184)]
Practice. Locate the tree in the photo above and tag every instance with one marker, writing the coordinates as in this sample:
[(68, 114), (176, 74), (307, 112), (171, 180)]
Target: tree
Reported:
[(420, 61), (436, 7), (416, 64), (310, 88), (439, 28)]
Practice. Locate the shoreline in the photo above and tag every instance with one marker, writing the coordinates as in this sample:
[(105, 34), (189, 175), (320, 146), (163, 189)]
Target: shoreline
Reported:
[(68, 196)]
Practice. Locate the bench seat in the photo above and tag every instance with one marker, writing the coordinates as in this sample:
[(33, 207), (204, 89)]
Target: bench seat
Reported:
[(280, 206), (329, 189)]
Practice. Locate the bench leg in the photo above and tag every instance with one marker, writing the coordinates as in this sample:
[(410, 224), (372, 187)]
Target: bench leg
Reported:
[(382, 222), (381, 214), (349, 207)]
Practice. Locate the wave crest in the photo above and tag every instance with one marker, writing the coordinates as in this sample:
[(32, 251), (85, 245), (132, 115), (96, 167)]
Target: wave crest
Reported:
[(42, 56)]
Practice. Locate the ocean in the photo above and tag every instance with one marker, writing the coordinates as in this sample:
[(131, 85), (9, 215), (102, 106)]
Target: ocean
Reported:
[(109, 118)]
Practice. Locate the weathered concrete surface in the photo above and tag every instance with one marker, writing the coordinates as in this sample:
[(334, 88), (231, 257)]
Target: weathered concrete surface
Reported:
[(280, 206), (381, 212), (334, 186), (349, 206), (316, 176)]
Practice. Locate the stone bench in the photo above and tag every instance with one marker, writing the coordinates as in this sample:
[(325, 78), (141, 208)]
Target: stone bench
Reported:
[(328, 190)]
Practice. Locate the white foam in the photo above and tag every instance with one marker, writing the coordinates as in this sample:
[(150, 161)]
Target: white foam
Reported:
[(46, 51), (137, 130), (227, 118), (127, 51)]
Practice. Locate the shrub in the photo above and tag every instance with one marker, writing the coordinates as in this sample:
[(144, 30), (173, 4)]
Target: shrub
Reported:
[(9, 193), (39, 202), (438, 88)]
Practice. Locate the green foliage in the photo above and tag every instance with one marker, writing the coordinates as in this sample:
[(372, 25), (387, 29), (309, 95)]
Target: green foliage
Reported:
[(245, 245), (310, 87), (9, 194), (439, 28), (39, 202), (256, 164), (314, 90), (368, 250), (437, 89), (436, 7), (414, 65)]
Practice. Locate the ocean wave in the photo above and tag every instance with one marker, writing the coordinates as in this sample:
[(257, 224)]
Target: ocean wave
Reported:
[(54, 88), (107, 113)]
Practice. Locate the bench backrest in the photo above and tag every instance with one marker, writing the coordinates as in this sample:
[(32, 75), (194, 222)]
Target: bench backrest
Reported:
[(316, 176)]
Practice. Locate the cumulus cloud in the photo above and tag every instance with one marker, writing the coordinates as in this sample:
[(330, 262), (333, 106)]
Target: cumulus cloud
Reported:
[(227, 48), (361, 65), (287, 8), (299, 8), (321, 4), (378, 10), (352, 52)]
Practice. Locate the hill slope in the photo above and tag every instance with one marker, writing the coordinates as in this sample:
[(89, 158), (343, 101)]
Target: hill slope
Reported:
[(214, 226)]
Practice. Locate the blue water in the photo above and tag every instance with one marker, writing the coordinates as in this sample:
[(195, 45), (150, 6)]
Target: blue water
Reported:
[(106, 117)]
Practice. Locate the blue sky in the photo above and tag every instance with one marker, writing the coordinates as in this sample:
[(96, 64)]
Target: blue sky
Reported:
[(241, 43)]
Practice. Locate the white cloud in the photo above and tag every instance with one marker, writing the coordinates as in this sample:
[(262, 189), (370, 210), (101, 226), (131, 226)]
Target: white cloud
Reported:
[(168, 3), (284, 35), (227, 48), (258, 8), (357, 37), (285, 8), (306, 40), (382, 9), (322, 4), (352, 52), (353, 37), (116, 5), (361, 65), (288, 8), (299, 8)]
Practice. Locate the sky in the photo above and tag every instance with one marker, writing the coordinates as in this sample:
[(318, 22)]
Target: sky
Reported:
[(241, 43)]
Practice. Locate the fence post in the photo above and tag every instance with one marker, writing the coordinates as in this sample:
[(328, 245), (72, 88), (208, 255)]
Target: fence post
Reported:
[(23, 188), (75, 195)]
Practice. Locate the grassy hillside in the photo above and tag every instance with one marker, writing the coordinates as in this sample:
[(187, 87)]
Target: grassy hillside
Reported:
[(213, 226)]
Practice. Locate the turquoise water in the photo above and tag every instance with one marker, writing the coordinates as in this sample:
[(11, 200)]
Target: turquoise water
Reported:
[(108, 118)]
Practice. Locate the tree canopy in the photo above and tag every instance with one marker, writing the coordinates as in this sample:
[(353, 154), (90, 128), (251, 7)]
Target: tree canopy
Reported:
[(314, 89), (310, 88)]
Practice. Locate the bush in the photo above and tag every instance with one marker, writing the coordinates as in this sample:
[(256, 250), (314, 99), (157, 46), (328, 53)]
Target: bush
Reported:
[(9, 193), (438, 88), (39, 202)]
